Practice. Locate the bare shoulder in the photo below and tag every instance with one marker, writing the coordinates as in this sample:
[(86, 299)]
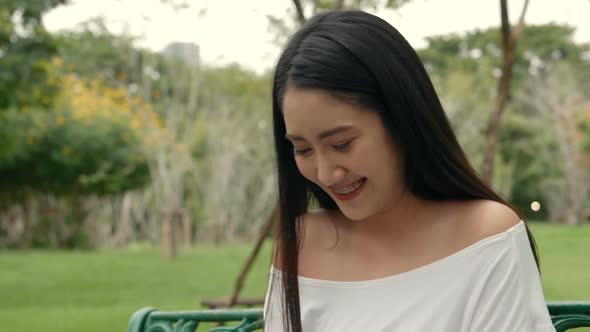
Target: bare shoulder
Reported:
[(481, 219), (317, 229)]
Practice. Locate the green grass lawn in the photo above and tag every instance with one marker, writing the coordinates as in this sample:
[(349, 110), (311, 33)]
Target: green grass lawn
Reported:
[(98, 291)]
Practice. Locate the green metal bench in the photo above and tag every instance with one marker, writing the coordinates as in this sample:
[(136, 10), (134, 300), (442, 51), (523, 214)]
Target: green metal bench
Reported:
[(565, 316)]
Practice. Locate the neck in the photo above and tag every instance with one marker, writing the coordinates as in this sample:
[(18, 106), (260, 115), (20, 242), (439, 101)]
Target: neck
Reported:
[(401, 218)]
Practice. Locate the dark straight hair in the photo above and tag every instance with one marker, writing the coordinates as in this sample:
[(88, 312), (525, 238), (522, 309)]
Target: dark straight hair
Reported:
[(361, 58)]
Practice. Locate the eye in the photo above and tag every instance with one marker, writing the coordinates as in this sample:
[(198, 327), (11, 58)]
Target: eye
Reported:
[(302, 152), (342, 147)]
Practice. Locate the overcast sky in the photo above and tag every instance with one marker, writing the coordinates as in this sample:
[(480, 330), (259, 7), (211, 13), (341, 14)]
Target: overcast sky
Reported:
[(237, 30)]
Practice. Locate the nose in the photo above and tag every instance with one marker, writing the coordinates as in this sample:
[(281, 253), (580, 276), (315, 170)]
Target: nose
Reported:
[(329, 172)]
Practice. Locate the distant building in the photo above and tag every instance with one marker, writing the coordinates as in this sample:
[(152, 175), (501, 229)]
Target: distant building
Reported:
[(189, 52)]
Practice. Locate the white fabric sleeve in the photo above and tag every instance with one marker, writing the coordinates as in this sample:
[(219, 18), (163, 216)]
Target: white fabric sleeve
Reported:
[(511, 298)]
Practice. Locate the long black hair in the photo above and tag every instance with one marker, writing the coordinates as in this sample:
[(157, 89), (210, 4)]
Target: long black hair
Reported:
[(363, 59)]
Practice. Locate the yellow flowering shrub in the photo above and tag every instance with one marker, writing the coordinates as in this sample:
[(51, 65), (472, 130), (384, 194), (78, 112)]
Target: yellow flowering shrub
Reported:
[(94, 139)]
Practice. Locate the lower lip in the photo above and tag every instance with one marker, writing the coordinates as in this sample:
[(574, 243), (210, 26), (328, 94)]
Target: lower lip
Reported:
[(352, 195)]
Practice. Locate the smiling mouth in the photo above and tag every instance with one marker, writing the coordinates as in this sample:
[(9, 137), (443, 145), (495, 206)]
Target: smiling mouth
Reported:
[(351, 191)]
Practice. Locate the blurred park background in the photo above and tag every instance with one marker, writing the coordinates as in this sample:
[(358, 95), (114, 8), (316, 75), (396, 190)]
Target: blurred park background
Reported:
[(136, 152)]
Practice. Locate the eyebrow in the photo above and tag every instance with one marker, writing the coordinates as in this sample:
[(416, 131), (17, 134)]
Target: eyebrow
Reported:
[(322, 135)]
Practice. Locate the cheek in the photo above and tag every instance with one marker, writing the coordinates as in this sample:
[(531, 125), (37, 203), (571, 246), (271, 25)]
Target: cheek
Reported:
[(377, 161), (391, 170), (306, 168)]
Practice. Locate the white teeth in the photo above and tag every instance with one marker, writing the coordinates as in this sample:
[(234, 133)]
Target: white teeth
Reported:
[(351, 189)]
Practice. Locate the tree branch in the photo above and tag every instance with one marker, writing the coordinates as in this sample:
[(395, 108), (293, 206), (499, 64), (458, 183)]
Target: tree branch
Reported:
[(505, 24), (520, 26), (299, 8), (509, 39)]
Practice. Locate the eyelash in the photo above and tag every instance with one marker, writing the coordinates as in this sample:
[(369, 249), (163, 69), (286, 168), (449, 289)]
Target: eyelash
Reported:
[(301, 152), (343, 147)]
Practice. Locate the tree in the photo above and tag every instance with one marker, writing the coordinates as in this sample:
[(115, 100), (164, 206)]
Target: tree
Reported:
[(284, 27), (464, 69), (215, 121), (557, 100), (528, 162), (479, 52), (25, 52), (510, 37), (94, 141)]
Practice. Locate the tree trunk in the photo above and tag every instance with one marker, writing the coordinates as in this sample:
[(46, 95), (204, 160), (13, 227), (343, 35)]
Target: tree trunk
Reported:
[(246, 268), (125, 224), (187, 229), (299, 9), (509, 39), (576, 184), (169, 235)]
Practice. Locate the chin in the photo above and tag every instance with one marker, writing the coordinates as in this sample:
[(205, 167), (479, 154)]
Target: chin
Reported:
[(354, 214)]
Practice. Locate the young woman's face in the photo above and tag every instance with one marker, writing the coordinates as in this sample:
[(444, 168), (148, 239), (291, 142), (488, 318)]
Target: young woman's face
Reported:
[(345, 150)]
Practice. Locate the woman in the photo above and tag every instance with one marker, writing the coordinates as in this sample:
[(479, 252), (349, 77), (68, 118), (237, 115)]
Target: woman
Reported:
[(407, 237)]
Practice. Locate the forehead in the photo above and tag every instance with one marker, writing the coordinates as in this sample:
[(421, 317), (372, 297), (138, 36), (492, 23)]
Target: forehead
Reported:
[(309, 110)]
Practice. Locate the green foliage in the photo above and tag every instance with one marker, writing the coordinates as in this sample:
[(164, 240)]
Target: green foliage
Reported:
[(243, 88), (537, 45), (465, 70), (53, 153), (66, 134), (93, 51), (197, 106), (25, 51), (527, 143), (31, 10), (548, 140)]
